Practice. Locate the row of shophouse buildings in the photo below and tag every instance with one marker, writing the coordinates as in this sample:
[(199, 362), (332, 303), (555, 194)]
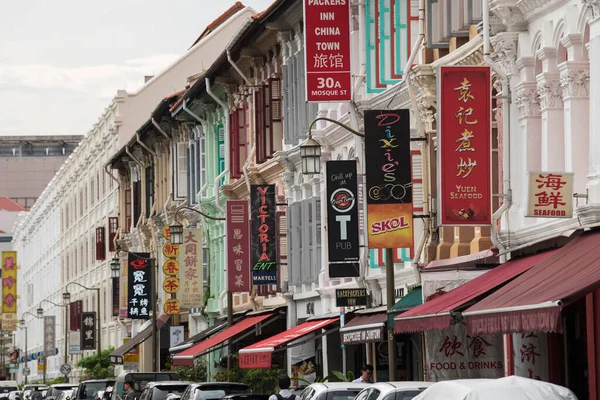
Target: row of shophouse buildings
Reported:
[(517, 296)]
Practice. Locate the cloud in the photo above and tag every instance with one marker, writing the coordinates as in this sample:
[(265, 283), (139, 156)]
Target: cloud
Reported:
[(103, 80)]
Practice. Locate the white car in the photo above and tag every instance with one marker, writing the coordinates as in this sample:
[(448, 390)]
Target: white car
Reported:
[(332, 391), (393, 390), (510, 387)]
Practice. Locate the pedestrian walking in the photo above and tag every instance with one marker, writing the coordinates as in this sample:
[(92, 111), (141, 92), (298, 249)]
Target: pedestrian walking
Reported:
[(284, 382), (366, 374)]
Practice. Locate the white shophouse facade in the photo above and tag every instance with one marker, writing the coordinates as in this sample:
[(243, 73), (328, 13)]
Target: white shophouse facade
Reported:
[(56, 244)]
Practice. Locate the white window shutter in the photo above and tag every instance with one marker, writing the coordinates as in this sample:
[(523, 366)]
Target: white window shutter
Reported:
[(181, 170)]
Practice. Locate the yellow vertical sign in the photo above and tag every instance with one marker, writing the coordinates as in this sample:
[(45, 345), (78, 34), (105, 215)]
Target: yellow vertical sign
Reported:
[(190, 263), (9, 281)]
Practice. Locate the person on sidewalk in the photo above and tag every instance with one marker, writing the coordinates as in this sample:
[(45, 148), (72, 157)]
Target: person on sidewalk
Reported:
[(284, 382), (366, 374)]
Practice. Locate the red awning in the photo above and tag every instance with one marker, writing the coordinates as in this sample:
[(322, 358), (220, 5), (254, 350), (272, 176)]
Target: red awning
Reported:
[(533, 301), (258, 355), (435, 313), (186, 357), (365, 328)]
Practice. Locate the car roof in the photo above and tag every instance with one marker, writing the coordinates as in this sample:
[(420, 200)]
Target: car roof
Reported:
[(65, 385), (337, 385), (219, 384), (97, 380), (166, 383), (392, 386)]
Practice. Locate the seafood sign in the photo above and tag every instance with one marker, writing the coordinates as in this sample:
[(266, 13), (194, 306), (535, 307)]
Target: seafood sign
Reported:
[(389, 179), (464, 149)]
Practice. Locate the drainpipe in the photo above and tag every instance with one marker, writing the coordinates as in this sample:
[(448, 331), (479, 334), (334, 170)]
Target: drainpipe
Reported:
[(505, 129), (157, 126), (253, 149), (226, 141)]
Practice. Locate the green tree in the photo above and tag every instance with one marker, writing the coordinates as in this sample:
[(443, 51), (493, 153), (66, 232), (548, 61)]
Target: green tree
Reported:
[(97, 367), (197, 373)]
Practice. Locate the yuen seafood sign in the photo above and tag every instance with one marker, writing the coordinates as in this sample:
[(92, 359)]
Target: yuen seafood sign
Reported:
[(464, 145), (389, 179)]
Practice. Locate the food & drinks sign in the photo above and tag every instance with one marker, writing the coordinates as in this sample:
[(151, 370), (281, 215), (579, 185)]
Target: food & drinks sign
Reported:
[(238, 246), (327, 44), (389, 179), (464, 145), (139, 288)]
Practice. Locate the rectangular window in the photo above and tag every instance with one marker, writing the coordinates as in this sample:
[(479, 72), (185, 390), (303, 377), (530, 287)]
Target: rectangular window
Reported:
[(149, 190), (100, 243), (137, 202), (127, 223), (113, 226), (202, 163), (237, 140), (92, 192), (180, 161), (269, 122), (98, 186)]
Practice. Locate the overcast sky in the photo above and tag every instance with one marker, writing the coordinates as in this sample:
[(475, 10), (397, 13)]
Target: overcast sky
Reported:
[(61, 61)]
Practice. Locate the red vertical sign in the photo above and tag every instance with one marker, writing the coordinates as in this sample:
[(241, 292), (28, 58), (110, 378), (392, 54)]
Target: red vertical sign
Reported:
[(465, 145), (327, 50), (238, 246)]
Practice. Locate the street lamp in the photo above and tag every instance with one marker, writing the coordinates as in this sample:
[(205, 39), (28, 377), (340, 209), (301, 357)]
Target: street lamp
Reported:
[(115, 267), (176, 229), (40, 312), (67, 298), (310, 151), (22, 326)]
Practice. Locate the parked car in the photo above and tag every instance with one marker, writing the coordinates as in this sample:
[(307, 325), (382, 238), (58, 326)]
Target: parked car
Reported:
[(140, 380), (246, 397), (6, 387), (160, 390), (332, 391), (14, 395), (173, 396), (393, 390), (65, 395), (214, 390), (55, 390), (510, 387), (88, 390)]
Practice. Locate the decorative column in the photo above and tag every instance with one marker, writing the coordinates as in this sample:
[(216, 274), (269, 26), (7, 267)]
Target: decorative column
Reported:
[(594, 95), (551, 106), (526, 147)]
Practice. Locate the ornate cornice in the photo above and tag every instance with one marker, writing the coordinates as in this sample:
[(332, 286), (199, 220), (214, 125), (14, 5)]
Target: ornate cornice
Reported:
[(507, 15), (594, 7), (575, 80), (533, 9), (549, 91), (527, 100)]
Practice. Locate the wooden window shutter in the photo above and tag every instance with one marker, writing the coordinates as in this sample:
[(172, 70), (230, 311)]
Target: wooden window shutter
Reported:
[(100, 244), (113, 226)]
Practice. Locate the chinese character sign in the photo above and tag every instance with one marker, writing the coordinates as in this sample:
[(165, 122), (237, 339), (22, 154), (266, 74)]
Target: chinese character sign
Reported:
[(530, 355), (238, 246), (123, 309), (190, 292), (264, 238), (115, 297), (9, 322), (327, 39), (139, 281), (389, 179), (9, 281), (452, 354), (75, 310), (464, 145), (49, 336), (550, 195), (88, 331)]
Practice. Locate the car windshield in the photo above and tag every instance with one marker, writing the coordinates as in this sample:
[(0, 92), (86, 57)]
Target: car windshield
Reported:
[(91, 389), (344, 394), (7, 389), (160, 392)]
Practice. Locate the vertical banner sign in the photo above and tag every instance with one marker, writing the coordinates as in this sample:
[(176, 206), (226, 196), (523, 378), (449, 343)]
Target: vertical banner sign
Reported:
[(115, 297), (75, 310), (123, 287), (389, 179), (327, 41), (171, 282), (342, 217), (139, 286), (550, 195), (9, 281), (465, 97), (190, 261), (264, 237), (49, 336), (74, 342), (88, 331), (238, 246)]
